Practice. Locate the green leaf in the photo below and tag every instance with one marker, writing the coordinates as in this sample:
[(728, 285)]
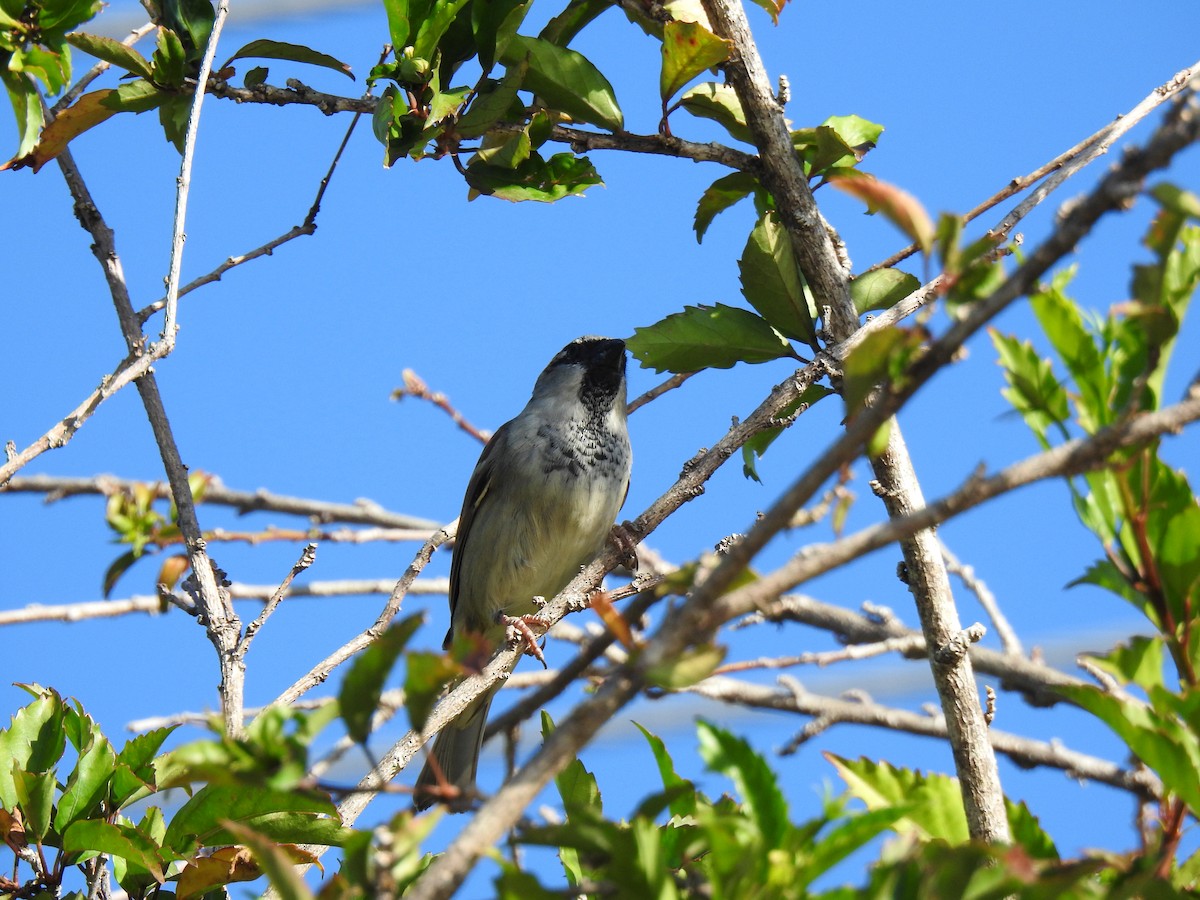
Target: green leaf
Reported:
[(1163, 743), (425, 677), (265, 49), (1027, 831), (125, 841), (688, 48), (882, 356), (681, 804), (703, 337), (566, 81), (1140, 661), (286, 816), (724, 752), (111, 51), (134, 96), (846, 837), (1063, 324), (192, 20), (693, 665), (399, 27), (932, 803), (173, 115), (757, 446), (434, 26), (1033, 389), (33, 742), (51, 66), (543, 180), (65, 14), (87, 786), (358, 697), (35, 793), (505, 150), (576, 785), (719, 196), (881, 289), (855, 131), (720, 103), (489, 107), (1176, 199), (494, 25), (27, 107), (771, 281)]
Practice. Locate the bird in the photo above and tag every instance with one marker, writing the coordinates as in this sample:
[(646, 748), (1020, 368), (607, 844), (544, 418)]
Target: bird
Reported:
[(539, 505)]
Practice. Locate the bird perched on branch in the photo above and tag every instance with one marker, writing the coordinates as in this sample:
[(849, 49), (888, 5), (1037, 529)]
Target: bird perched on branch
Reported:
[(540, 504)]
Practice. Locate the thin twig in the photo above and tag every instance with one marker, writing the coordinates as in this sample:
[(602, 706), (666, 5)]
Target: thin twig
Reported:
[(655, 392), (1004, 630), (415, 386), (361, 512), (307, 558), (1064, 165), (1025, 752)]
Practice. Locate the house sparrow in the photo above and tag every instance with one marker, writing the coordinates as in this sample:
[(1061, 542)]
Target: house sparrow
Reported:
[(540, 504)]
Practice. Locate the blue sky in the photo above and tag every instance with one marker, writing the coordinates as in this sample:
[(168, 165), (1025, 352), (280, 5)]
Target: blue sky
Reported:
[(283, 371)]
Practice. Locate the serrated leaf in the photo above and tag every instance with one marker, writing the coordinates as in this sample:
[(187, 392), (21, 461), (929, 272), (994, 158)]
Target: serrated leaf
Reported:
[(1027, 831), (1138, 660), (724, 752), (719, 103), (577, 786), (704, 337), (688, 49), (35, 795), (881, 289), (87, 786), (1164, 744), (266, 49), (901, 208), (565, 80), (681, 804), (125, 841), (719, 196), (771, 281), (34, 741), (358, 697), (111, 51), (932, 803)]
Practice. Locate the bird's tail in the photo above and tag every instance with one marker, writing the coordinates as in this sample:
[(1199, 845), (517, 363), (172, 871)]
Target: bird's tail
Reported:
[(454, 756)]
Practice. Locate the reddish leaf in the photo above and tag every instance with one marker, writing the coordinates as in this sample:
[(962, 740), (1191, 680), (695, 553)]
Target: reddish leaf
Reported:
[(899, 206)]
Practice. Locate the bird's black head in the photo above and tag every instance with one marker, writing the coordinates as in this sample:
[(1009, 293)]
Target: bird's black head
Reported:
[(593, 366)]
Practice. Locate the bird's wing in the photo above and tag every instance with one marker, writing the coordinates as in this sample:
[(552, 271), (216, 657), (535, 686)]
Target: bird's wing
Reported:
[(477, 489)]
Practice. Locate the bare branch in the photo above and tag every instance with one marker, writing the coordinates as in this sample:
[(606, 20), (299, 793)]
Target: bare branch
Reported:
[(361, 512), (415, 386), (1064, 165), (321, 670), (655, 392), (1025, 752), (307, 557)]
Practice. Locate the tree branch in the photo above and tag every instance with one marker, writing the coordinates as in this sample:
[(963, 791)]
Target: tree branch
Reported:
[(1025, 752), (361, 512)]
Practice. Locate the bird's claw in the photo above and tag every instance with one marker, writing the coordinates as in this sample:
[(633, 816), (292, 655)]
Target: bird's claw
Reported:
[(522, 630)]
